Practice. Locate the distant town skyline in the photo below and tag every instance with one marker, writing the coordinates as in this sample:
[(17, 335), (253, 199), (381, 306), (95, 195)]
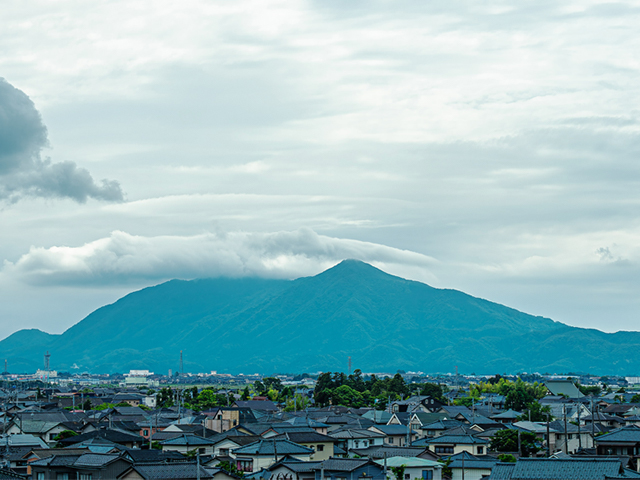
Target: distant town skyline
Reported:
[(486, 148)]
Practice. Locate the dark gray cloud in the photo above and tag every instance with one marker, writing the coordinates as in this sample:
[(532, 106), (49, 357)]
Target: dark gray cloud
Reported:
[(23, 171)]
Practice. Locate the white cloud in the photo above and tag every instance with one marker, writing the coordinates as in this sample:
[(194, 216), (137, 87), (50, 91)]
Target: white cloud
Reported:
[(125, 258)]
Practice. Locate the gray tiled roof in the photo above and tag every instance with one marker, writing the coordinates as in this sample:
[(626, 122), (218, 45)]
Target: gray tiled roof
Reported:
[(94, 460), (561, 469), (341, 464), (270, 447), (457, 440), (628, 434), (171, 471), (188, 440)]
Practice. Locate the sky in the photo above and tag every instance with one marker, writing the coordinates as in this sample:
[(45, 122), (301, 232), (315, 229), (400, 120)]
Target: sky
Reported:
[(489, 147)]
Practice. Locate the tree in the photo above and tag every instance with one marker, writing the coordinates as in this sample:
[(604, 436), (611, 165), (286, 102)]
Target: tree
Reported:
[(297, 403), (62, 435), (433, 390), (245, 393), (230, 468), (398, 472), (635, 398), (507, 441), (259, 387), (507, 457), (536, 412), (87, 405)]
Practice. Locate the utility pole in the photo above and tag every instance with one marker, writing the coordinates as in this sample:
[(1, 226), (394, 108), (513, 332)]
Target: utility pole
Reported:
[(566, 435), (519, 445), (579, 432), (548, 438)]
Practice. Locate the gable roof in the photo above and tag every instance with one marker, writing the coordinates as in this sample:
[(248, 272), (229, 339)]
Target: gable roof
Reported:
[(169, 471), (563, 387), (457, 440)]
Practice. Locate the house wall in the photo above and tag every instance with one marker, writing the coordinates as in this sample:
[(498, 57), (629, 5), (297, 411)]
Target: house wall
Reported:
[(320, 454), (469, 473), (416, 473)]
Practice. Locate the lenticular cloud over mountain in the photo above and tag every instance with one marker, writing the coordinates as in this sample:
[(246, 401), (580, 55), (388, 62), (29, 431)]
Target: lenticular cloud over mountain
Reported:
[(23, 172), (124, 258)]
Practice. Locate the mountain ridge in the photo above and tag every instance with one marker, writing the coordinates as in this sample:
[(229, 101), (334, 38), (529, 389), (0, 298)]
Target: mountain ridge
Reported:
[(383, 322)]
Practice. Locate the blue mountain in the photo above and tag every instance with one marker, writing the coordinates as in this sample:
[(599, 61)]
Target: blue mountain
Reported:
[(382, 322)]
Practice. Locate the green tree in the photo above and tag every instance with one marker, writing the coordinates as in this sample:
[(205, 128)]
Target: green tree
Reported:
[(507, 441), (507, 457), (297, 403), (62, 435), (87, 405), (246, 395), (230, 468), (398, 472), (536, 412)]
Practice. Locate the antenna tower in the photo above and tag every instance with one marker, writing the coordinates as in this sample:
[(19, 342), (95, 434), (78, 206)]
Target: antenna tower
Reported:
[(181, 365), (46, 360), (349, 365)]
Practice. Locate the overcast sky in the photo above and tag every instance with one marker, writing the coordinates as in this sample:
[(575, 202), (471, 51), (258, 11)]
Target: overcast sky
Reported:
[(491, 148)]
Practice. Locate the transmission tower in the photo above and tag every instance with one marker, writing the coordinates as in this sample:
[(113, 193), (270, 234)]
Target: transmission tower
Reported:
[(47, 356)]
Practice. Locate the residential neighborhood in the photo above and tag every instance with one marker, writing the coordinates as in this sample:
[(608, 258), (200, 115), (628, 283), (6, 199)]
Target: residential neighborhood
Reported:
[(318, 427)]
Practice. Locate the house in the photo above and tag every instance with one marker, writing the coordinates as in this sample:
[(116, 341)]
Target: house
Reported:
[(378, 453), (222, 419), (465, 466), (414, 467), (186, 443), (42, 429), (264, 453), (351, 468), (118, 436), (224, 445), (322, 445), (453, 444), (561, 469), (417, 403), (419, 420), (622, 441), (509, 416), (86, 466), (354, 438), (396, 435), (293, 469)]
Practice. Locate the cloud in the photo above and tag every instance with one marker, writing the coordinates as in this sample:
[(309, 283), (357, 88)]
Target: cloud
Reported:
[(125, 258), (22, 170)]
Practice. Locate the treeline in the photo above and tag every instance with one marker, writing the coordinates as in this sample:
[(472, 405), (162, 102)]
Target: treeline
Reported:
[(356, 391)]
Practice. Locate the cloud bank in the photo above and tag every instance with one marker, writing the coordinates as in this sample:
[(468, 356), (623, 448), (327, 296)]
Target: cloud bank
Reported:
[(22, 170), (125, 258)]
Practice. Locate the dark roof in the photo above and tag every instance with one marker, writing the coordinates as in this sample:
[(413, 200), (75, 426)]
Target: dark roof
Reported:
[(342, 464), (171, 471), (628, 434), (271, 447), (188, 439), (472, 461), (306, 437), (265, 405), (139, 456), (113, 435), (456, 440), (559, 469), (377, 452)]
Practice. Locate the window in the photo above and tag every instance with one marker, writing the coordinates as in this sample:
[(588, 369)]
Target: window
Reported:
[(86, 476), (407, 476), (145, 433), (390, 439), (224, 452), (245, 465), (427, 474), (40, 476), (440, 449), (62, 476), (201, 451), (52, 436), (320, 448), (480, 450)]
